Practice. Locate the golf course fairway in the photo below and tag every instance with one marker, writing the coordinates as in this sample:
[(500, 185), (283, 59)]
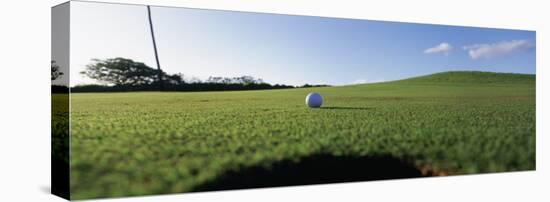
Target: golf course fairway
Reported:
[(169, 142)]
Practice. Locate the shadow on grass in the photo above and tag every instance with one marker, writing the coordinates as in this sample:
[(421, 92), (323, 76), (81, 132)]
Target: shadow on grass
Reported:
[(317, 169), (353, 108)]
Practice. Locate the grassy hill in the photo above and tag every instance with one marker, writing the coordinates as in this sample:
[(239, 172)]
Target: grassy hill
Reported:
[(473, 77), (443, 124)]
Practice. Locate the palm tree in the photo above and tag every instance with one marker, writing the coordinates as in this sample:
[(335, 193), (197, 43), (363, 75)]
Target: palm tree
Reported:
[(159, 75)]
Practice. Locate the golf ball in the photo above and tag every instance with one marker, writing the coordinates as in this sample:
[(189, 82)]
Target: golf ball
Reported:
[(314, 100)]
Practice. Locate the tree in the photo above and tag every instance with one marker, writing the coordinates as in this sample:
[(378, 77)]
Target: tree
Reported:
[(214, 79), (120, 71), (245, 80), (174, 79), (56, 73), (126, 72), (160, 74)]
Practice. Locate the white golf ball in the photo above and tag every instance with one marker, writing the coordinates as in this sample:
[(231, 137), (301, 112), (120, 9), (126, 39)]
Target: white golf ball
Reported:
[(314, 100)]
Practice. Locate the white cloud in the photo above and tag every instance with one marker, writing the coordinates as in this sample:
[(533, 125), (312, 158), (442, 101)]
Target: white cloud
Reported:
[(444, 48), (478, 51)]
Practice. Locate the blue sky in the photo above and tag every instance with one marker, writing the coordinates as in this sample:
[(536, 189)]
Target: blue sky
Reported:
[(289, 49)]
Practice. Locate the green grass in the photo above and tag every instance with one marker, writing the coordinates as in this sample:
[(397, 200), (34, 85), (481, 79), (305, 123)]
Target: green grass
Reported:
[(151, 142)]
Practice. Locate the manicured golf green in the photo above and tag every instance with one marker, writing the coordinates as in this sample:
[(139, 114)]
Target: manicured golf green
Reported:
[(169, 142)]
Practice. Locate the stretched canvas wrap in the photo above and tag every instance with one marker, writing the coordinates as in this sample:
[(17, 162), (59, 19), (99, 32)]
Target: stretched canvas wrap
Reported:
[(157, 100)]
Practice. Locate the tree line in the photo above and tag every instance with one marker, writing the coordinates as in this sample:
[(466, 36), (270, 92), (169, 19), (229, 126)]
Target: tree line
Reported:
[(55, 74), (122, 74)]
